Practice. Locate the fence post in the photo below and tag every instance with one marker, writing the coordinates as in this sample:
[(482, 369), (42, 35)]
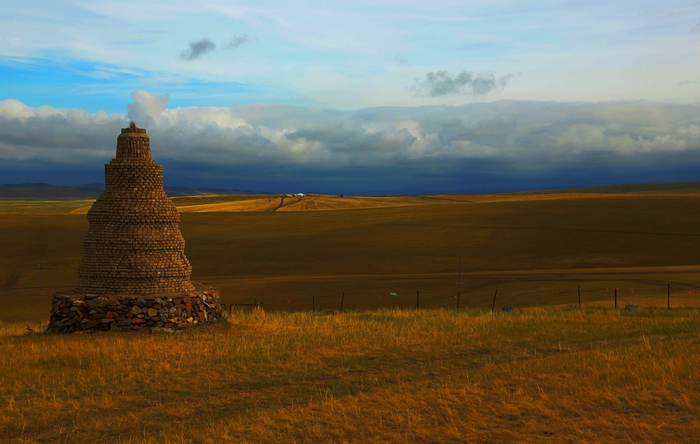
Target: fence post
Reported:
[(313, 303), (458, 294), (668, 293), (579, 297), (342, 299), (417, 300), (493, 305)]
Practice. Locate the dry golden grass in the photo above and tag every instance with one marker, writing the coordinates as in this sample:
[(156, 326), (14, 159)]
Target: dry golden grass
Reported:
[(537, 375), (262, 204), (537, 196), (314, 202), (306, 203), (268, 203), (554, 374), (43, 206)]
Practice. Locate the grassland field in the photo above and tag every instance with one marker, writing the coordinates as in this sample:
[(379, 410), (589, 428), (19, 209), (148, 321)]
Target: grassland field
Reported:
[(381, 371), (536, 249), (538, 375)]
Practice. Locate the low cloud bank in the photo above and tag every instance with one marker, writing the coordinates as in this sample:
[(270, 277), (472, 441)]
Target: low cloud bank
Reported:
[(477, 147)]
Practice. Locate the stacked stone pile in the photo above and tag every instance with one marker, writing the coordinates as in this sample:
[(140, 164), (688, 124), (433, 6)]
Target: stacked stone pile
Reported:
[(134, 242), (134, 273), (72, 312)]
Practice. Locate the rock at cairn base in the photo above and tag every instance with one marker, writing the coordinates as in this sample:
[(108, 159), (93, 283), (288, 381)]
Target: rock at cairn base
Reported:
[(71, 312), (134, 254)]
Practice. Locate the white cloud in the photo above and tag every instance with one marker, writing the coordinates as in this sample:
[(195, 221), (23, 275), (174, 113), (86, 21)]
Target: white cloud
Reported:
[(14, 109), (521, 132), (147, 108)]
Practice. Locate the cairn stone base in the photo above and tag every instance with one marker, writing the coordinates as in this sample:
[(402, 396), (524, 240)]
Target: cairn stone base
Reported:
[(80, 312)]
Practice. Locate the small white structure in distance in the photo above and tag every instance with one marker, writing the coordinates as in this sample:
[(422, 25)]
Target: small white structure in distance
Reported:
[(299, 195)]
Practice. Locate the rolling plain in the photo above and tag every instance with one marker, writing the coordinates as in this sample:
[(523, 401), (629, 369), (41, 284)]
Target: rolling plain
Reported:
[(381, 371), (535, 249)]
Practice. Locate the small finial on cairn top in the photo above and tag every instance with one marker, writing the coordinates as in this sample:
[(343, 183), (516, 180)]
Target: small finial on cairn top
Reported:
[(133, 130)]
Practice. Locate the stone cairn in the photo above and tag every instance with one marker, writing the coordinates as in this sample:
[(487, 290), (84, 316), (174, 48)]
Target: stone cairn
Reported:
[(134, 273)]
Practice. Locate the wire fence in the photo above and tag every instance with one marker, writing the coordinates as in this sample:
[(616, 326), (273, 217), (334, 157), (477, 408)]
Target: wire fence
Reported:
[(503, 296), (671, 295)]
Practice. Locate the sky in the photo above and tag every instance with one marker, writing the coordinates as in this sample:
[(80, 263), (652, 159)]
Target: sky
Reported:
[(355, 97)]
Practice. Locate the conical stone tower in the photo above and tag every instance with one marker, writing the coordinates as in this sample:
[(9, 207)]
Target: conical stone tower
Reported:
[(134, 244), (134, 273)]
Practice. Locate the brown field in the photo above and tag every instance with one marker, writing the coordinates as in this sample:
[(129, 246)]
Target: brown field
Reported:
[(238, 204), (533, 248), (382, 371)]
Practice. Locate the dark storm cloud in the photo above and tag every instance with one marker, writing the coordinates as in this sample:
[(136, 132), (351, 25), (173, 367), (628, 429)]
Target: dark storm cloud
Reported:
[(197, 49), (56, 133), (442, 83), (69, 136), (503, 145), (239, 40)]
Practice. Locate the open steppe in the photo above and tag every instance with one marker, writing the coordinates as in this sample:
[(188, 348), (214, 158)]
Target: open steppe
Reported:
[(537, 375), (535, 248), (382, 371)]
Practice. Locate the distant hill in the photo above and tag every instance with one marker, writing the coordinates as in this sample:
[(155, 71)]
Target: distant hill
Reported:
[(48, 191), (636, 188), (186, 191)]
